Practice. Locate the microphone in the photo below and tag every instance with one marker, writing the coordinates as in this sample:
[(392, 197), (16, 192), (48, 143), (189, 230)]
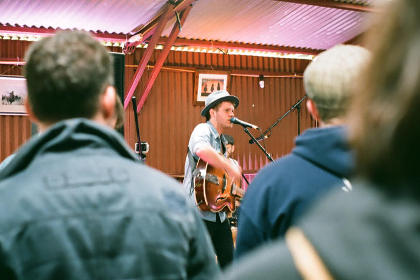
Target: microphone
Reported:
[(244, 124)]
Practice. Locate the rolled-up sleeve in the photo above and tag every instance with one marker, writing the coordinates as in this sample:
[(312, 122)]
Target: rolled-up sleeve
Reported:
[(200, 138)]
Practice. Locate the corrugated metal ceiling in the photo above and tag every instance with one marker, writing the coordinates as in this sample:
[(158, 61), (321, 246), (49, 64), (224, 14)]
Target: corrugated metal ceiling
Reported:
[(271, 22), (112, 16), (265, 22)]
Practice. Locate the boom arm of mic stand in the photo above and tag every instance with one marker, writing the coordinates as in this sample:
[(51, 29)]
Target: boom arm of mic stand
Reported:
[(258, 144), (278, 120)]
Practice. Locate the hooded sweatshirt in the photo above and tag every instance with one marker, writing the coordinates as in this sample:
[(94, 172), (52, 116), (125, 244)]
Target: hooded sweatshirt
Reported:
[(76, 204), (285, 189)]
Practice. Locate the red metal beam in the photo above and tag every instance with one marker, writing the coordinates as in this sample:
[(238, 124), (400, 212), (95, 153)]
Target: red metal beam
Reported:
[(162, 57), (146, 56), (240, 46), (12, 61), (42, 32), (333, 4), (148, 27), (130, 47)]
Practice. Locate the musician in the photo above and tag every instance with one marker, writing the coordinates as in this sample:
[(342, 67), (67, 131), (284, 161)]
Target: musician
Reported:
[(206, 142)]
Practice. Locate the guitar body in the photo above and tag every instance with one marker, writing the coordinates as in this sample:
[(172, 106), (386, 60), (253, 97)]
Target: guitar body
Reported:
[(214, 190)]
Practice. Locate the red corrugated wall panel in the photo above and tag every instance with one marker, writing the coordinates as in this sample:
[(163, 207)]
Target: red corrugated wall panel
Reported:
[(169, 114), (14, 130)]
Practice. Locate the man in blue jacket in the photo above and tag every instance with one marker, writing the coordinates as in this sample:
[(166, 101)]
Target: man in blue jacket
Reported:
[(320, 161), (74, 201)]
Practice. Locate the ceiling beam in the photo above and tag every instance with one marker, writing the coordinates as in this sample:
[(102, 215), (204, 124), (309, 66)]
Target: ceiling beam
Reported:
[(43, 32), (139, 35), (179, 6), (333, 4), (162, 57), (239, 46), (146, 56)]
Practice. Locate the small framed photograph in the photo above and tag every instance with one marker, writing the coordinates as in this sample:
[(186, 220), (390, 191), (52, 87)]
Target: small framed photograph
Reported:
[(208, 81), (13, 93)]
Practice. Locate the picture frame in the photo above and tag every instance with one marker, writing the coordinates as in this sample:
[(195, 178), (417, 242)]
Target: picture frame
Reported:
[(13, 93), (208, 81)]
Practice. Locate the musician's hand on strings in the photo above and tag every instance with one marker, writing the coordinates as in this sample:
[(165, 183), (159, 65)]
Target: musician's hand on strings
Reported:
[(233, 170)]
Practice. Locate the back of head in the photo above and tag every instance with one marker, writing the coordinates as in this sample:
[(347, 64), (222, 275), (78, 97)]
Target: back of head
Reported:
[(329, 79), (65, 75), (385, 118), (229, 139)]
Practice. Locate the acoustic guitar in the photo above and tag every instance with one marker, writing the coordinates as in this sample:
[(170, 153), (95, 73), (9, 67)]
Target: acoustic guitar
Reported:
[(214, 190)]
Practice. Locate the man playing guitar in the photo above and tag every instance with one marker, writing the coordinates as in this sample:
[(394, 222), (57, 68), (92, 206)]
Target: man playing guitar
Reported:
[(206, 143)]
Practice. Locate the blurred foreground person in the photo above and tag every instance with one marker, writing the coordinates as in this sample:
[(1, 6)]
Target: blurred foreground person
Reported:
[(373, 232), (74, 202)]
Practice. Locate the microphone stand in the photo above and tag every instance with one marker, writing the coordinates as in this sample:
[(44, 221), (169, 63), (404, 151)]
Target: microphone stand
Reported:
[(139, 152), (295, 106), (258, 144)]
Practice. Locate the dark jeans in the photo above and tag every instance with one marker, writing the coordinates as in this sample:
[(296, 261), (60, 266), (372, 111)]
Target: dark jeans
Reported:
[(221, 237)]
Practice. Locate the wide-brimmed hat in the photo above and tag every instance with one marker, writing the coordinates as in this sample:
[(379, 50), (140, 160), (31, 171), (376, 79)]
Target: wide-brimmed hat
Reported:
[(215, 98)]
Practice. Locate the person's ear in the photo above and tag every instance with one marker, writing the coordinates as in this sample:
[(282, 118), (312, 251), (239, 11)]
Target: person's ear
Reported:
[(107, 102), (31, 115), (311, 106), (211, 112)]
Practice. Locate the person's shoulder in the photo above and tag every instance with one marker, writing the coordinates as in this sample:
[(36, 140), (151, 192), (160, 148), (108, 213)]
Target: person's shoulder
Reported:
[(266, 262), (6, 161), (275, 170), (151, 174), (202, 127)]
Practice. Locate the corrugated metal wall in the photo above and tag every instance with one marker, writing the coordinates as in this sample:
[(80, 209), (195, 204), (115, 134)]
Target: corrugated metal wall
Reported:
[(169, 114), (14, 130)]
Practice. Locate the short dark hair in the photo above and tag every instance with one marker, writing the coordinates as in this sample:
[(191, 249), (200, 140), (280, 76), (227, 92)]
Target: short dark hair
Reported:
[(65, 75), (215, 107), (229, 139)]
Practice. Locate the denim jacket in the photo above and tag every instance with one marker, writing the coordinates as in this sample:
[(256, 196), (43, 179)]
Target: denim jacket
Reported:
[(76, 204), (204, 134)]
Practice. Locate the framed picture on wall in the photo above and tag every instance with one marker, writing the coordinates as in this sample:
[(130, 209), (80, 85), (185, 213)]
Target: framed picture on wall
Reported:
[(208, 81), (13, 93)]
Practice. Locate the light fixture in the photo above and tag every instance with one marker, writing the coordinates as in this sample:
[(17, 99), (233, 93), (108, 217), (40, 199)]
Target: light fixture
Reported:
[(261, 81)]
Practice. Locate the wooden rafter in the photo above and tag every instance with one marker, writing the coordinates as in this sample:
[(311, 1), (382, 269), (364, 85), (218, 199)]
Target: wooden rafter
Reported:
[(146, 56), (239, 46), (161, 59), (147, 29), (33, 31), (333, 4)]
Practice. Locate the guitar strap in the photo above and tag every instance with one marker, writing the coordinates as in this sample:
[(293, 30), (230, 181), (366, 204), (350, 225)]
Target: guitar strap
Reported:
[(193, 163), (223, 143), (307, 260)]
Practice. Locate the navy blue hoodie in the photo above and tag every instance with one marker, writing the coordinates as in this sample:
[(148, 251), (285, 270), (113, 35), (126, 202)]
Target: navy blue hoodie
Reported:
[(283, 190)]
